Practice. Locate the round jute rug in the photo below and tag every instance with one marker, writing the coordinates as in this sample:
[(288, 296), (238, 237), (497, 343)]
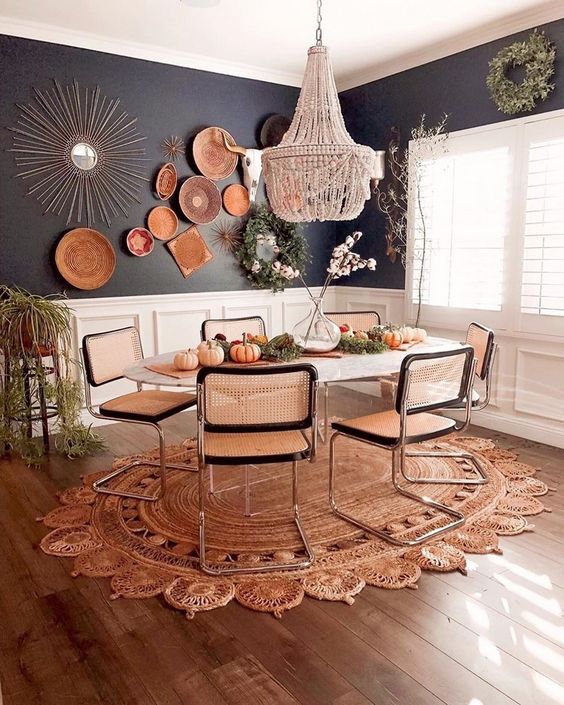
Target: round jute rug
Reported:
[(150, 548)]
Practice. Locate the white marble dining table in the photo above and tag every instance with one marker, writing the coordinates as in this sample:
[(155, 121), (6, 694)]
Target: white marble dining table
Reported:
[(347, 368)]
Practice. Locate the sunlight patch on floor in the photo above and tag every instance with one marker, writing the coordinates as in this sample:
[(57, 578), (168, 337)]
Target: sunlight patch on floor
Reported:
[(547, 686), (545, 603), (489, 650), (478, 614), (540, 579), (552, 657), (546, 627)]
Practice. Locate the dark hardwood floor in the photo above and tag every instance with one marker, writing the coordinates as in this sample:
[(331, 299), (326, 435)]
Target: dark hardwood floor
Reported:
[(495, 637)]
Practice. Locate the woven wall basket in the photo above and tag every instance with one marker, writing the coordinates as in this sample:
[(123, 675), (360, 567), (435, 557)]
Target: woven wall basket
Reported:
[(318, 172), (85, 258)]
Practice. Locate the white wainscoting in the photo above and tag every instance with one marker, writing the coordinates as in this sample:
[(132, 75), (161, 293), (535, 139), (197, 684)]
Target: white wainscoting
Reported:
[(528, 380), (172, 321)]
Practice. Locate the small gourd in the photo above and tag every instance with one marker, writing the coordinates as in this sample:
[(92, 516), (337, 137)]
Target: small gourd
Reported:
[(408, 334), (211, 355), (393, 338), (420, 335), (361, 335), (245, 351), (186, 360)]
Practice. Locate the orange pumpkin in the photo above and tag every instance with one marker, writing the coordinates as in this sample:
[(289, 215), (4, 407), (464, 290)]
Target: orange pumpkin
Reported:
[(245, 351), (393, 338)]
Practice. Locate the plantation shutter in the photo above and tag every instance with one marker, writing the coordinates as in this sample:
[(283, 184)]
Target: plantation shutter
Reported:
[(542, 284), (463, 205)]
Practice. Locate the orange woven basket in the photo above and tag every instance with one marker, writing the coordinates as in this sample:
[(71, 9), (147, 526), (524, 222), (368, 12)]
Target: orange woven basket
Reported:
[(236, 199), (166, 181), (210, 154), (190, 251), (85, 258), (162, 222)]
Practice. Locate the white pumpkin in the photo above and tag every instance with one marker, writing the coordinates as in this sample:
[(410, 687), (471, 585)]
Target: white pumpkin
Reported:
[(419, 335), (408, 334), (186, 360), (211, 355)]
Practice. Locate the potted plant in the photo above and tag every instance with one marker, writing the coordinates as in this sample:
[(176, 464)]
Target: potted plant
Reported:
[(32, 329)]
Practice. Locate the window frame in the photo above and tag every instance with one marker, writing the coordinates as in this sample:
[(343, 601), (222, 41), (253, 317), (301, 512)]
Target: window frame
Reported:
[(509, 320)]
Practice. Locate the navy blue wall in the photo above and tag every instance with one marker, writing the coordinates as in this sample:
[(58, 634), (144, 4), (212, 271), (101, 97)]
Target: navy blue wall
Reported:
[(454, 85), (167, 100)]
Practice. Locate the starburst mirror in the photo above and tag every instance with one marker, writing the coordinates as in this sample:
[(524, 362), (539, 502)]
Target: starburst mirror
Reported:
[(80, 153)]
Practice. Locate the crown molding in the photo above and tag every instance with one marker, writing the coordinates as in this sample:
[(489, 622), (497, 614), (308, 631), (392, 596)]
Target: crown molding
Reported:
[(547, 12), (137, 50)]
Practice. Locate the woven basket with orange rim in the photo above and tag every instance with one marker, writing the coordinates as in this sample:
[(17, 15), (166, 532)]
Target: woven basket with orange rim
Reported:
[(162, 222), (85, 258)]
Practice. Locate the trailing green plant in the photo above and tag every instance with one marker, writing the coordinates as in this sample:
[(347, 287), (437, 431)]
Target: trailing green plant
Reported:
[(31, 328)]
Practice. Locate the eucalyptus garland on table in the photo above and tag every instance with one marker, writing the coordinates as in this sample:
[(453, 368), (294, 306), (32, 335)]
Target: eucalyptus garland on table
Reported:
[(537, 55), (288, 244)]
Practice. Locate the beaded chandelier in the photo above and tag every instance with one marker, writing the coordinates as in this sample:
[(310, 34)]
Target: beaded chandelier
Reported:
[(318, 172)]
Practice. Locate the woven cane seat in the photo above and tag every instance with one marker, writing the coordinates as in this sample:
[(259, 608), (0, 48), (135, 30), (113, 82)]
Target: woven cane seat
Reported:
[(235, 448), (384, 427), (153, 405)]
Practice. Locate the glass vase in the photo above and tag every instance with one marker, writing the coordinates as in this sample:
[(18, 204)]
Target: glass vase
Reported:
[(316, 333)]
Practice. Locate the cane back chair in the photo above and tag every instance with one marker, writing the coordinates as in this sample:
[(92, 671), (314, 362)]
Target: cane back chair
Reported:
[(481, 339), (357, 320), (232, 328), (256, 415), (427, 382), (104, 358)]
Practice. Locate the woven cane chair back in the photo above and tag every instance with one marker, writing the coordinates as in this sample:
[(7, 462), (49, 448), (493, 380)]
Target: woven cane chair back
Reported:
[(431, 381), (257, 400), (482, 340), (232, 328), (106, 355), (357, 320)]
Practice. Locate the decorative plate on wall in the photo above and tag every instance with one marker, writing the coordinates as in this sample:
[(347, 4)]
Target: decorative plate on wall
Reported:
[(273, 130), (211, 156), (140, 242), (200, 200), (162, 222), (190, 251), (236, 199), (167, 179), (85, 258)]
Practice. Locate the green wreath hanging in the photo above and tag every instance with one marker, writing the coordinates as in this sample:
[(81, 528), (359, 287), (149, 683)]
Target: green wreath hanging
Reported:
[(536, 55), (283, 240)]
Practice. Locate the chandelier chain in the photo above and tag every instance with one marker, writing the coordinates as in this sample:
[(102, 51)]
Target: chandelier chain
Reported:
[(318, 32)]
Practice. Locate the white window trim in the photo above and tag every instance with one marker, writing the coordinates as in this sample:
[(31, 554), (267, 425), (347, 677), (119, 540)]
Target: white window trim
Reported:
[(509, 320)]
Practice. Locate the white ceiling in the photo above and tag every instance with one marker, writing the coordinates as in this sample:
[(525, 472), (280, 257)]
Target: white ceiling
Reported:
[(268, 40)]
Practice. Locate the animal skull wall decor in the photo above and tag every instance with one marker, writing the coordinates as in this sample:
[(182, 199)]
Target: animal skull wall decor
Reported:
[(252, 166)]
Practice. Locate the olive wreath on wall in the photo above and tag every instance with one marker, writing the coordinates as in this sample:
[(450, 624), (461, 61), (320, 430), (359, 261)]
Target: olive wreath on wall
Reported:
[(536, 55), (283, 241)]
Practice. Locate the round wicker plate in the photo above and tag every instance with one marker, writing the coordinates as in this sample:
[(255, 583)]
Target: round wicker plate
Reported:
[(211, 157), (167, 179), (85, 258), (200, 200), (162, 222), (140, 242), (273, 130), (236, 199)]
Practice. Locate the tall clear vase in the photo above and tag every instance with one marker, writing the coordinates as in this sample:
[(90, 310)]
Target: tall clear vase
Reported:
[(316, 333)]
